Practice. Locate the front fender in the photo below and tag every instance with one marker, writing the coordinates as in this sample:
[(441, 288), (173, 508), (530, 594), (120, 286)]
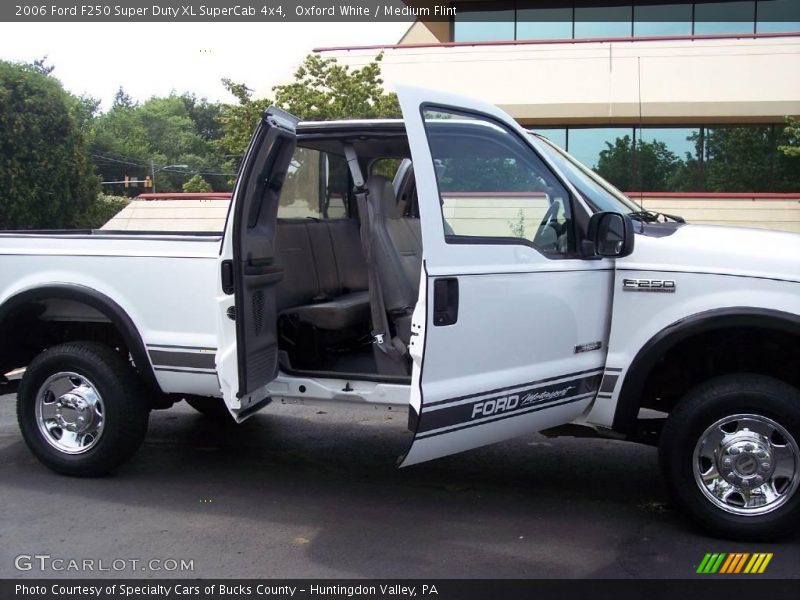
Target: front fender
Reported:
[(644, 325)]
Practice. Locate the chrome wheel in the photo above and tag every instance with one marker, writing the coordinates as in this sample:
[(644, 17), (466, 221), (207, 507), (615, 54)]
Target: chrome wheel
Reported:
[(70, 413), (747, 464)]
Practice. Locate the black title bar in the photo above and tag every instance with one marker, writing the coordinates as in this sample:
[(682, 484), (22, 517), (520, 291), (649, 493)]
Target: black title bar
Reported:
[(276, 11), (183, 11), (419, 589)]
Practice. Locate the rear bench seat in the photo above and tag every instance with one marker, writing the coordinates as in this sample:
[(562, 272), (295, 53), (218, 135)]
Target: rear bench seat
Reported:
[(325, 281)]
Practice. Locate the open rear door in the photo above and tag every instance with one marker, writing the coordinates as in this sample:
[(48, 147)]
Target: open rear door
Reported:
[(247, 359), (513, 324)]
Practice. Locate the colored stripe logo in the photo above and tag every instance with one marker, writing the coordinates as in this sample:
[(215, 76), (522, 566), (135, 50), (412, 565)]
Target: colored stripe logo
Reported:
[(734, 563)]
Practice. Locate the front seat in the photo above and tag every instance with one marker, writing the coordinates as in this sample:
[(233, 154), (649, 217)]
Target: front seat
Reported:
[(397, 254)]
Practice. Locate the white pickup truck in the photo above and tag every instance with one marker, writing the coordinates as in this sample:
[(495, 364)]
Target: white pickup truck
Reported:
[(492, 285)]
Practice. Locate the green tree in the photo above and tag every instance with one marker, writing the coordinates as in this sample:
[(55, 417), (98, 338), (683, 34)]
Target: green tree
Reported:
[(791, 135), (739, 159), (205, 115), (726, 159), (615, 162), (653, 168), (747, 159), (197, 185), (135, 139), (85, 109), (46, 176), (122, 99), (323, 89), (239, 120), (101, 211), (656, 164), (40, 66)]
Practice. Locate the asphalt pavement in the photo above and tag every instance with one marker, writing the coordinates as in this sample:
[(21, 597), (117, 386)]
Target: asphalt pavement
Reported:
[(314, 492)]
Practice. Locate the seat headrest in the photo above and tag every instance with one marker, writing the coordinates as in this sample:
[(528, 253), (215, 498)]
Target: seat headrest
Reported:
[(382, 198)]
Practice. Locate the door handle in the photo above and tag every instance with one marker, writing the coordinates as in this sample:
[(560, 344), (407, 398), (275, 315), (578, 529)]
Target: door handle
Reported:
[(227, 277), (445, 301)]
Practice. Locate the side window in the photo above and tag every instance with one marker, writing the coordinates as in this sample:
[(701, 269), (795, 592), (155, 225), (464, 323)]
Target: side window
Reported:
[(493, 187), (316, 186)]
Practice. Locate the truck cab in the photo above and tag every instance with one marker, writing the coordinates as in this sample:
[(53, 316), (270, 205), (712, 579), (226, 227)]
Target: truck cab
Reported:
[(482, 292)]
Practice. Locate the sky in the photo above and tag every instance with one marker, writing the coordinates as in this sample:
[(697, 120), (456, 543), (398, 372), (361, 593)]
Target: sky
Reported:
[(150, 59)]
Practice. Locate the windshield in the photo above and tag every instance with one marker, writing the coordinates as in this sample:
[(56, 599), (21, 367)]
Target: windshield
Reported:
[(600, 194)]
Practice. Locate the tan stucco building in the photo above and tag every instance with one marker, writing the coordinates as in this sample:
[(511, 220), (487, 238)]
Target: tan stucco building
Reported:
[(590, 73)]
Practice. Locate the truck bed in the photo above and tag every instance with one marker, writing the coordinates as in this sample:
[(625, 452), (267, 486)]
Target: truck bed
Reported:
[(165, 282)]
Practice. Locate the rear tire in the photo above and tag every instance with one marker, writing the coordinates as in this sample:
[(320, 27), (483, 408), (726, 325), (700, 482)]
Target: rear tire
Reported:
[(82, 409), (729, 451), (213, 408)]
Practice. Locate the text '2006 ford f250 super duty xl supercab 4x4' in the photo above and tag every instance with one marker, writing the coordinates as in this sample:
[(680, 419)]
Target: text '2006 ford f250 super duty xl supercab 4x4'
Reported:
[(495, 287)]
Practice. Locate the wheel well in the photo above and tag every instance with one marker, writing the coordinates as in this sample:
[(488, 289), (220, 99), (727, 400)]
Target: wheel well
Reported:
[(696, 350), (33, 321)]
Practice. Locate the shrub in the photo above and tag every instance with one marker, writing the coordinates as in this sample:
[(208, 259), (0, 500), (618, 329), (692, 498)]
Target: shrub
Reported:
[(46, 177)]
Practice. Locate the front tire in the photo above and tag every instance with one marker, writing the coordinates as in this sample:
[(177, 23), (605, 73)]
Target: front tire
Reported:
[(81, 409), (729, 451)]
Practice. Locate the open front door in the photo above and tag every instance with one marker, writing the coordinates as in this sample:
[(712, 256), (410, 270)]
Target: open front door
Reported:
[(247, 359), (515, 324)]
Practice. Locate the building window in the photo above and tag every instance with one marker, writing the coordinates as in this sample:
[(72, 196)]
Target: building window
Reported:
[(549, 23), (725, 158), (680, 141), (667, 159), (740, 159), (609, 20), (720, 18), (484, 22), (662, 19), (557, 135), (587, 144), (581, 19), (777, 16)]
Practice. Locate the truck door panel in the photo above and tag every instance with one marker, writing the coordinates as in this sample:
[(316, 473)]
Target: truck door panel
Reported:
[(248, 356), (499, 225)]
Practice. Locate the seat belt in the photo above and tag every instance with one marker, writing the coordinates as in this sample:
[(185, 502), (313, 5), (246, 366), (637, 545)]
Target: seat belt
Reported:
[(388, 345)]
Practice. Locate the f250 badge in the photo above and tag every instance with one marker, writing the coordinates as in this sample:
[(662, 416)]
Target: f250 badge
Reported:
[(649, 285)]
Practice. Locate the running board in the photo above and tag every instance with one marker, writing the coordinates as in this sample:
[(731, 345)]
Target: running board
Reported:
[(245, 413), (581, 431), (646, 431)]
